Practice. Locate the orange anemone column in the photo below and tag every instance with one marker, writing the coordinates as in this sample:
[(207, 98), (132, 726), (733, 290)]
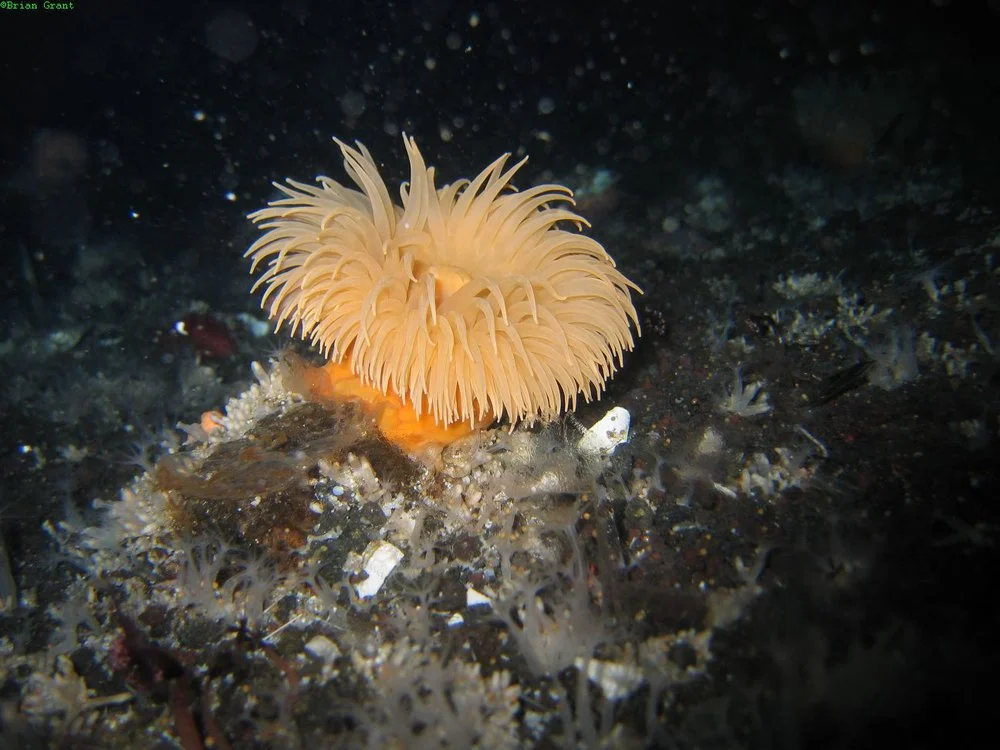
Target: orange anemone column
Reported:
[(396, 419)]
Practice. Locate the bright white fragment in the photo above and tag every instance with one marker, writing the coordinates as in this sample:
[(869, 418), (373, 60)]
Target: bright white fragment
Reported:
[(608, 433), (378, 561), (323, 648), (475, 599), (616, 680)]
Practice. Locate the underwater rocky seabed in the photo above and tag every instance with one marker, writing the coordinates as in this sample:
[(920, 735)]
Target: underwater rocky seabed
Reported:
[(791, 549)]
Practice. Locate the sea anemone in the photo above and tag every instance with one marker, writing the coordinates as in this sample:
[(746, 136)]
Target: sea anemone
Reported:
[(468, 303)]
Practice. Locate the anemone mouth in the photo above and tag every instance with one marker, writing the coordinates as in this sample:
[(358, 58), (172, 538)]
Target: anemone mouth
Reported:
[(445, 279)]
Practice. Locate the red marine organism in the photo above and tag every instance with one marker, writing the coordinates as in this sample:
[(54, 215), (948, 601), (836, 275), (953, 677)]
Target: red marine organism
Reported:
[(208, 337)]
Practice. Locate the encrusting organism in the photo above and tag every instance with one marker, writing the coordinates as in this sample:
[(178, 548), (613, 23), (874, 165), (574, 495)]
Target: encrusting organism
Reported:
[(464, 304)]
